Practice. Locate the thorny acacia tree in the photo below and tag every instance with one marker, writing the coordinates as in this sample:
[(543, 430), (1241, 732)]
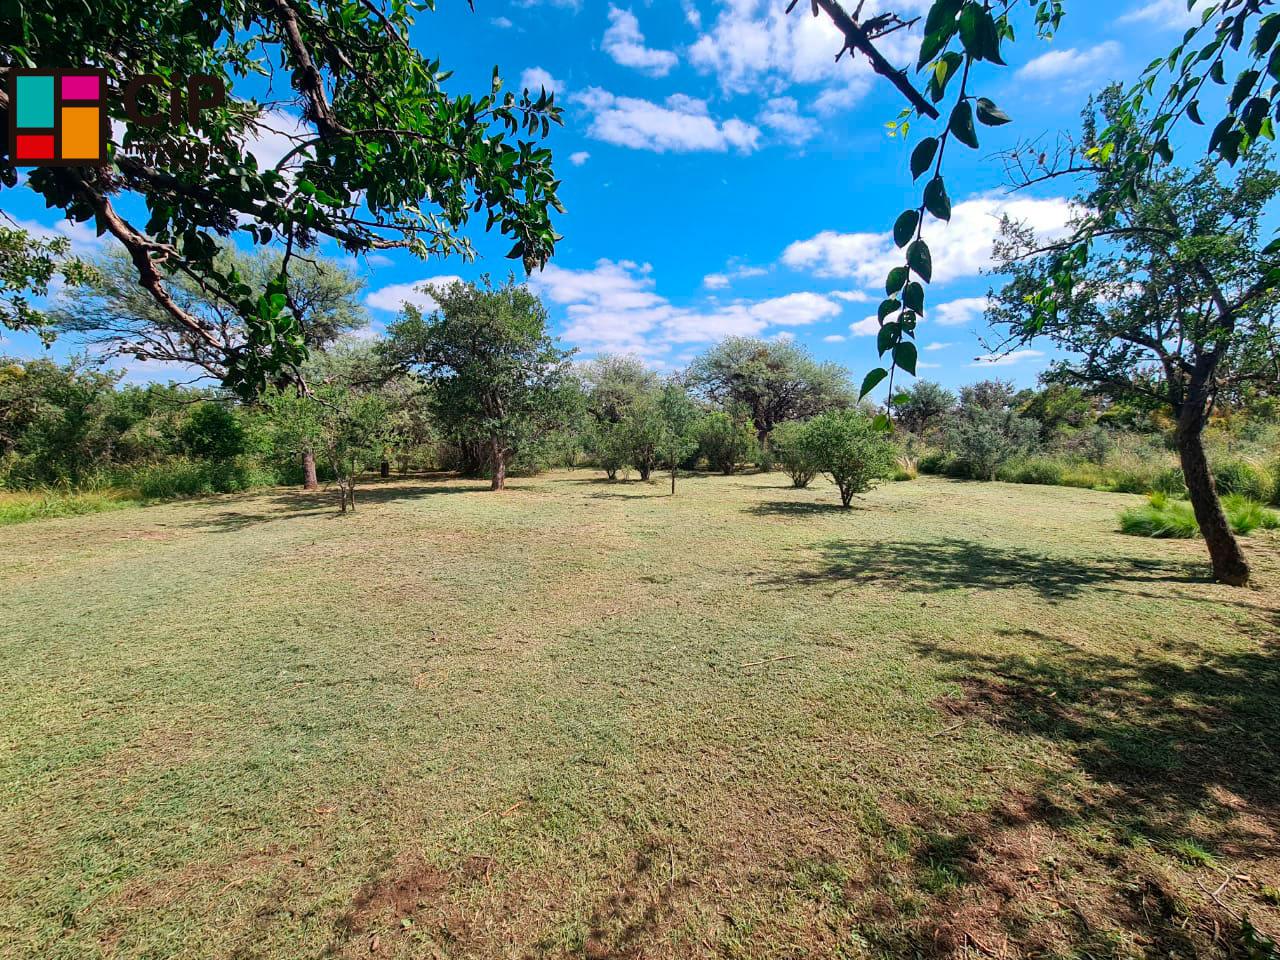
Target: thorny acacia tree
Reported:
[(1174, 283), (385, 158)]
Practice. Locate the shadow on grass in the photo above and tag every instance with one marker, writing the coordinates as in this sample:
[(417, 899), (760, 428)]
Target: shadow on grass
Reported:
[(289, 505), (954, 563), (1173, 787), (798, 508)]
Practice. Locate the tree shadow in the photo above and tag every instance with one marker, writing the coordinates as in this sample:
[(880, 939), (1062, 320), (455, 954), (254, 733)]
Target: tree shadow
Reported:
[(798, 508), (1171, 758), (292, 504), (938, 565)]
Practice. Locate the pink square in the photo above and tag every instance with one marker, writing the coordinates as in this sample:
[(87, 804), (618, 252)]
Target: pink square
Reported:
[(80, 88)]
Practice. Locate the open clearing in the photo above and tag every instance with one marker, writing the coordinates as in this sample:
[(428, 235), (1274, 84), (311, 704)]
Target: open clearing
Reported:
[(589, 719)]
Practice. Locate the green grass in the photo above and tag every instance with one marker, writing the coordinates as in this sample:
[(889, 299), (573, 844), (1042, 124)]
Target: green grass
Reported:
[(22, 506), (583, 719), (1164, 517)]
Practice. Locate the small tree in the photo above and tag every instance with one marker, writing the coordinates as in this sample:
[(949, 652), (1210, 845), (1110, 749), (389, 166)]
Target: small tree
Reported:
[(796, 455), (987, 431), (726, 441), (679, 420), (498, 376), (1169, 297), (613, 386), (924, 406), (851, 451)]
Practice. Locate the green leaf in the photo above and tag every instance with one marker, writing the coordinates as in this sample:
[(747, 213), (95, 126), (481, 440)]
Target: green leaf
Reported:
[(962, 124), (1268, 29), (888, 336), (904, 356), (881, 423), (872, 380), (920, 261), (887, 307), (905, 227), (893, 283), (970, 27), (922, 156), (1193, 111), (913, 297), (901, 398), (990, 114), (1244, 84), (936, 200)]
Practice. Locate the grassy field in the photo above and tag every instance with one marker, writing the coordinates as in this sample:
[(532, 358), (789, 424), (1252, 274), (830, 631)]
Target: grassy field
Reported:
[(583, 719)]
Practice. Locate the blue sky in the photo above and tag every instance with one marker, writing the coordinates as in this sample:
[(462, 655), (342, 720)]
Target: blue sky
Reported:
[(722, 177)]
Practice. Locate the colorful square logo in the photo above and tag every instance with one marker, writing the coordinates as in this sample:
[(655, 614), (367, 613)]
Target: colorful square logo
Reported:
[(57, 118)]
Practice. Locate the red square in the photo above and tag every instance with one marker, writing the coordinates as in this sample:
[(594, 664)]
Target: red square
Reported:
[(34, 146)]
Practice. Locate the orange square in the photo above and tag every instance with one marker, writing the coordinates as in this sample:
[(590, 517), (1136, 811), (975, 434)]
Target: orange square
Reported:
[(81, 133)]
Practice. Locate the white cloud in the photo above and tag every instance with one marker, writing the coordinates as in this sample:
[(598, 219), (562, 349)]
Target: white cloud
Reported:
[(938, 346), (756, 47), (1166, 14), (692, 15), (275, 134), (928, 366), (681, 125), (852, 296), (957, 313), (866, 327), (613, 307), (624, 42), (535, 79), (502, 23), (720, 281), (391, 298), (961, 248), (1072, 68), (579, 158), (782, 116), (1005, 359), (84, 240), (834, 338)]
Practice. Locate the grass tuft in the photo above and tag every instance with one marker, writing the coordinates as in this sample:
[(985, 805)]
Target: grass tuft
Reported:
[(1166, 518)]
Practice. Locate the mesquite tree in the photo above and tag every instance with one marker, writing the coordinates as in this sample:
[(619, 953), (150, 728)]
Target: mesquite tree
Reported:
[(382, 156), (1174, 303)]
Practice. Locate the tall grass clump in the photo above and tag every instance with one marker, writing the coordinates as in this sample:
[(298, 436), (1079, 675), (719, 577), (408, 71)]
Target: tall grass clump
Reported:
[(42, 504), (1243, 478), (1166, 518), (196, 478)]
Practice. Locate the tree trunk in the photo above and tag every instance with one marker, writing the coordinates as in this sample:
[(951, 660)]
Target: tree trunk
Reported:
[(499, 455), (612, 474), (309, 481), (1229, 564), (645, 469), (384, 470), (673, 481)]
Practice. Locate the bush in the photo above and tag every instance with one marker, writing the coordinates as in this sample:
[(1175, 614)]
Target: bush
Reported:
[(196, 478), (1170, 482), (1163, 517), (725, 442), (849, 449), (905, 470), (1036, 470), (1242, 477), (793, 454), (46, 503)]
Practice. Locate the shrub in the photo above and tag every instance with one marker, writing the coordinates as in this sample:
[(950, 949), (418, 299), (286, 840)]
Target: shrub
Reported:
[(793, 454), (983, 439), (1242, 477), (906, 469), (195, 478), (850, 450), (1170, 482), (725, 442), (1247, 515), (1036, 470)]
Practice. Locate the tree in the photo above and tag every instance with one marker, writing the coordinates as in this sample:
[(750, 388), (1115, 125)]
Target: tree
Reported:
[(382, 158), (726, 440), (109, 311), (849, 449), (796, 455), (987, 431), (773, 380), (614, 385), (1175, 286), (497, 377), (923, 406), (642, 434), (28, 266), (679, 421), (340, 415)]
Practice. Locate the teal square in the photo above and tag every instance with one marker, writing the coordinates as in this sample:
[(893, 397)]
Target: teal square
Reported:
[(35, 101)]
